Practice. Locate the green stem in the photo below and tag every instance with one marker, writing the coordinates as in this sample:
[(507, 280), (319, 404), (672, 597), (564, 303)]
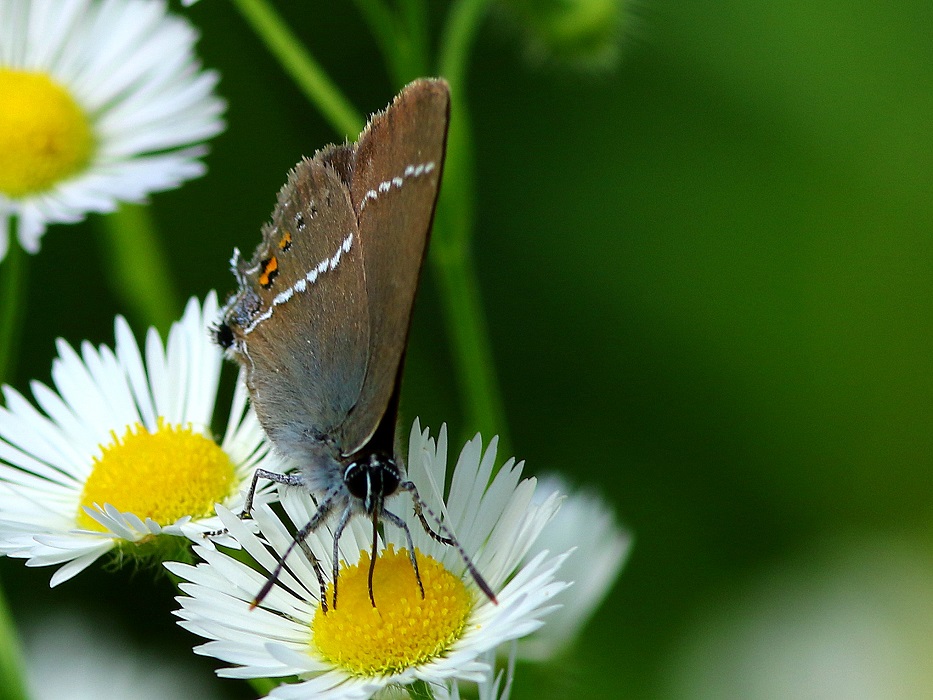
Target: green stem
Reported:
[(140, 271), (12, 668), (301, 66), (458, 36), (383, 26), (466, 327), (415, 15), (12, 306), (402, 38), (451, 255)]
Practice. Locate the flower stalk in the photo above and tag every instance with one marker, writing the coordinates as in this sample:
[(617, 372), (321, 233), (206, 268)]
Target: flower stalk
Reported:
[(13, 279), (300, 65), (11, 657), (139, 268), (452, 255)]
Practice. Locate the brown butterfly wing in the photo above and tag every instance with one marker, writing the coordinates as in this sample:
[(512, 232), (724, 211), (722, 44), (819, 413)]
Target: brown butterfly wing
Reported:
[(394, 185), (303, 310)]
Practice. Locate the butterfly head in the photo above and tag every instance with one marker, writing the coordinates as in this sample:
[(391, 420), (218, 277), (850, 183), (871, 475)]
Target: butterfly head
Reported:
[(371, 479)]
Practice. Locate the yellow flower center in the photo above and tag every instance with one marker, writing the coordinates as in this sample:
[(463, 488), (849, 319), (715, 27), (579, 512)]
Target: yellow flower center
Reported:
[(163, 475), (404, 630), (44, 135)]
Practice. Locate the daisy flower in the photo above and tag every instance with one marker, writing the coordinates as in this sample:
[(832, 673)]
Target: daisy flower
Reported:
[(356, 650), (101, 101), (587, 524), (121, 450)]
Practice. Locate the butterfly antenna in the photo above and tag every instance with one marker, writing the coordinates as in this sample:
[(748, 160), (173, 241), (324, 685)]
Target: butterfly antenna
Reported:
[(372, 556)]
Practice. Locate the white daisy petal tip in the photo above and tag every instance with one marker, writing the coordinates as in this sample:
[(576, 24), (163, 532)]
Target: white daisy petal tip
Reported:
[(116, 89), (494, 519), (112, 457)]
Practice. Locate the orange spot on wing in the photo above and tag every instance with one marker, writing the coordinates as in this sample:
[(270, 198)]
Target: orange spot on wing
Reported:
[(270, 268)]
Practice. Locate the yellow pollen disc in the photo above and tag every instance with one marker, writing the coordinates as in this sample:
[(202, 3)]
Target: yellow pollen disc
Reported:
[(163, 475), (44, 135), (404, 630)]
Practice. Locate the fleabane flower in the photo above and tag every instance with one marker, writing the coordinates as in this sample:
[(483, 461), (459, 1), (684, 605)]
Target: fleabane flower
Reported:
[(101, 101), (587, 524), (121, 451), (355, 649)]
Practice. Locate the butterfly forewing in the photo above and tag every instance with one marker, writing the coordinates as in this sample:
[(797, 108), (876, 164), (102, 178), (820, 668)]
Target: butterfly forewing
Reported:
[(306, 368), (393, 187)]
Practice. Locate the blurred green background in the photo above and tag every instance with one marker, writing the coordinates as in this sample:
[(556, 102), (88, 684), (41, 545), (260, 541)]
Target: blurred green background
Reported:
[(707, 273)]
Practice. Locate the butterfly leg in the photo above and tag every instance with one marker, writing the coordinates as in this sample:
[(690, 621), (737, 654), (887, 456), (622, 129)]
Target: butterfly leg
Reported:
[(420, 508), (320, 515), (344, 519), (447, 537), (287, 479), (318, 570), (399, 523)]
